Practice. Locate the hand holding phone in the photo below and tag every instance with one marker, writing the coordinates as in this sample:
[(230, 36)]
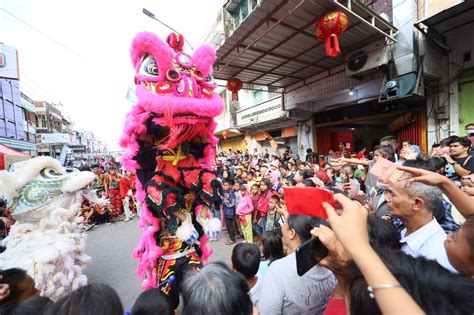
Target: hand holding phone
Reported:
[(309, 254)]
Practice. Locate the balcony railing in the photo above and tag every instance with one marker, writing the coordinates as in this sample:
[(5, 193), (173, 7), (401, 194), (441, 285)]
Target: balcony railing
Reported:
[(262, 112)]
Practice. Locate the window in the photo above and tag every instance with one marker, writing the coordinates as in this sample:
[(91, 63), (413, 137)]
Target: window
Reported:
[(19, 116), (11, 130), (9, 110), (7, 90), (257, 96)]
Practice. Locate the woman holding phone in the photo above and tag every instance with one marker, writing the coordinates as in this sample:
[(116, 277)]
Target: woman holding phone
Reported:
[(283, 291)]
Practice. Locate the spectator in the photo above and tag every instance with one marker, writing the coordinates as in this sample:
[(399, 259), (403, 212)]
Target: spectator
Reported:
[(216, 290), (34, 306), (312, 157), (89, 299), (272, 249), (436, 290), (228, 207), (459, 158), (470, 136), (265, 194), (245, 260), (303, 174), (151, 302), (273, 216), (244, 211), (283, 291), (414, 203), (126, 194), (21, 288), (393, 142)]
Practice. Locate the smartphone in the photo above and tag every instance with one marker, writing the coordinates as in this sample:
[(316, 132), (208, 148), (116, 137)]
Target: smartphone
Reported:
[(309, 254)]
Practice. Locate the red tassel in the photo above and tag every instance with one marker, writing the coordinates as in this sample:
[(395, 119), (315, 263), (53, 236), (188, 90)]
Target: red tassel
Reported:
[(332, 46), (235, 96)]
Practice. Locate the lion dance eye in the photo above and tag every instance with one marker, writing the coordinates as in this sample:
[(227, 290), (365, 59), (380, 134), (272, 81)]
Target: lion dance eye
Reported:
[(49, 173), (148, 66)]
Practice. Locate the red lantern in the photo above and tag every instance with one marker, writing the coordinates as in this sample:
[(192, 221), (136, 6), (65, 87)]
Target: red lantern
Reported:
[(328, 28), (225, 133), (234, 85)]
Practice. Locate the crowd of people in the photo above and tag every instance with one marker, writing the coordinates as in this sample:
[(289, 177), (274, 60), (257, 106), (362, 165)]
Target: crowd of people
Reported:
[(393, 245)]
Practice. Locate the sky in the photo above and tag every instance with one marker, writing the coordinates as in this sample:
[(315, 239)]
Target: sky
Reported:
[(82, 60)]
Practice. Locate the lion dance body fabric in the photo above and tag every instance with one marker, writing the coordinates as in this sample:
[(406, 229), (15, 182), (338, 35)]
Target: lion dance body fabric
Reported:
[(47, 240), (169, 144)]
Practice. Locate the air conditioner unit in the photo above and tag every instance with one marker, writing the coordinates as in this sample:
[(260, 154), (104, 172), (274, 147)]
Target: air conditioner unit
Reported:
[(364, 61)]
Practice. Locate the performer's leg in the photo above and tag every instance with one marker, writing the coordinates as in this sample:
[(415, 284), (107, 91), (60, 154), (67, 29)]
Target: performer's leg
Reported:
[(230, 228), (126, 207)]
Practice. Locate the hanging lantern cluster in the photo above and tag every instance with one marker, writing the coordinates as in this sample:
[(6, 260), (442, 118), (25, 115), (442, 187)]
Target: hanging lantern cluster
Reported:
[(328, 28), (225, 133), (234, 85)]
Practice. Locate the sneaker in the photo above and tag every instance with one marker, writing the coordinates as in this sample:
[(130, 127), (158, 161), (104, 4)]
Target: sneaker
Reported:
[(229, 242), (126, 220), (88, 226), (108, 223), (133, 214)]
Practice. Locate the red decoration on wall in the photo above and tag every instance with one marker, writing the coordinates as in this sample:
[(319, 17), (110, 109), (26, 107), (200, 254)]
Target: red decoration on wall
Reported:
[(234, 85), (328, 28)]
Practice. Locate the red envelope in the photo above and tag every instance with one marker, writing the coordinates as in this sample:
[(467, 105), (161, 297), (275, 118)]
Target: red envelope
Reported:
[(386, 171), (308, 200)]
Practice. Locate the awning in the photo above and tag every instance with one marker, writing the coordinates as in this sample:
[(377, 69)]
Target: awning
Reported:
[(228, 133), (439, 25), (6, 150), (275, 44)]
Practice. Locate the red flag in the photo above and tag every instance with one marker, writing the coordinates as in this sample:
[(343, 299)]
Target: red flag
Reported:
[(308, 201)]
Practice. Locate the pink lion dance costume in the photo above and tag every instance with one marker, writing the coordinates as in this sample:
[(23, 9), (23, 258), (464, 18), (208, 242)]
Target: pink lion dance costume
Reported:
[(169, 144)]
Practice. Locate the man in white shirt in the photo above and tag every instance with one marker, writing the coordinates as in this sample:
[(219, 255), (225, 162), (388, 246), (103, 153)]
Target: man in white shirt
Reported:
[(413, 203)]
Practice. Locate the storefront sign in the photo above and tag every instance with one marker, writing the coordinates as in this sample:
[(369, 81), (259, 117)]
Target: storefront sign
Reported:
[(49, 138), (9, 62)]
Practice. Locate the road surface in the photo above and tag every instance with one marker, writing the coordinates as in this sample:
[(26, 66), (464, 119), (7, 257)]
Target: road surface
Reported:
[(111, 246)]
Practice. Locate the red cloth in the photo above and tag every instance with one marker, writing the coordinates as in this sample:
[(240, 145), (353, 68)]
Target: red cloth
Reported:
[(308, 201), (335, 306), (125, 186)]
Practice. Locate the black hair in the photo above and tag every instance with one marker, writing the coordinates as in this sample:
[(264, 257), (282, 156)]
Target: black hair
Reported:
[(152, 301), (246, 259), (89, 299), (388, 151), (13, 277), (392, 139), (421, 164), (272, 245), (306, 173), (33, 306), (434, 289), (309, 150), (462, 141), (435, 145), (215, 290), (228, 181), (382, 233), (437, 162), (307, 182), (302, 224), (267, 183)]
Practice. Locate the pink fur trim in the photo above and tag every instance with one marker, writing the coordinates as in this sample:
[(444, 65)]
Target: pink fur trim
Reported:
[(156, 103), (147, 42), (203, 57)]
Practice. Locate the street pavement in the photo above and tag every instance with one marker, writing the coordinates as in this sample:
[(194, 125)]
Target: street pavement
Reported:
[(111, 246)]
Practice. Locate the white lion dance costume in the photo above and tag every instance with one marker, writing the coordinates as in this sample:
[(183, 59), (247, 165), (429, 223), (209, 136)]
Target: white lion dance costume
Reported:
[(47, 239)]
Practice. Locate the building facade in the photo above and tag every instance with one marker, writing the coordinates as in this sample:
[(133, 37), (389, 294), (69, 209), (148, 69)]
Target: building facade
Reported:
[(390, 77)]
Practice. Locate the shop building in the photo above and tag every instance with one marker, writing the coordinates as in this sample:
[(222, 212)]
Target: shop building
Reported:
[(385, 81)]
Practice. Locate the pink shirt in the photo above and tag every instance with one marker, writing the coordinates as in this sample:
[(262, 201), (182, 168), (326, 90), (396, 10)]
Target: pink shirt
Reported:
[(263, 203), (245, 206)]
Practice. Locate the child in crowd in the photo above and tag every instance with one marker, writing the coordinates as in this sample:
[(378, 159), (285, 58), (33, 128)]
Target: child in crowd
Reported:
[(273, 217), (244, 211), (265, 194), (236, 187), (150, 302), (246, 260), (272, 249), (228, 208), (21, 287)]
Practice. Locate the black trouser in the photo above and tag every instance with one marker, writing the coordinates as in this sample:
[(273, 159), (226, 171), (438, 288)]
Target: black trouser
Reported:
[(100, 218), (230, 228)]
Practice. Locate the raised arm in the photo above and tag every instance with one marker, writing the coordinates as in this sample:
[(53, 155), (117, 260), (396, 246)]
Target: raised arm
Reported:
[(351, 230), (461, 201)]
